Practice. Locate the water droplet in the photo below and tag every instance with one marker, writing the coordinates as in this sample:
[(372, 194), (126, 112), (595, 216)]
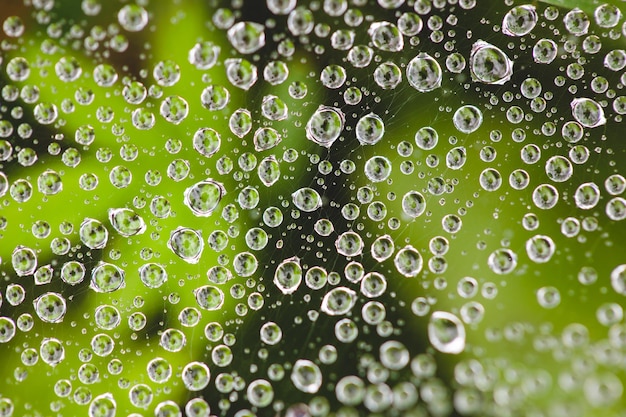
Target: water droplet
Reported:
[(271, 333), (349, 244), (307, 199), (540, 248), (247, 37), (338, 301), (502, 261), (260, 393), (132, 17), (204, 55), (306, 376), (288, 275), (126, 222), (576, 22), (106, 278), (370, 129), (588, 112), (209, 297), (203, 197), (187, 244), (424, 73), (386, 36), (50, 307), (520, 20), (489, 64), (196, 376), (467, 119), (446, 332), (266, 138)]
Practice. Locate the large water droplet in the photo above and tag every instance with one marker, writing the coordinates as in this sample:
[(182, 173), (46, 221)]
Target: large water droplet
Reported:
[(446, 332)]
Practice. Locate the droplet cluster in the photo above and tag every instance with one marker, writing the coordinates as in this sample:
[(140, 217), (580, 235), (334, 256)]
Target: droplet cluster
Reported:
[(312, 208)]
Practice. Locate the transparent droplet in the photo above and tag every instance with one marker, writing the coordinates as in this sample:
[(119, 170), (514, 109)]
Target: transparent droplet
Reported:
[(545, 196), (166, 73), (316, 278), (520, 20), (271, 333), (196, 376), (576, 22), (373, 285), (107, 317), (103, 405), (545, 51), (382, 248), (307, 199), (616, 209), (269, 171), (126, 222), (51, 350), (387, 75), (247, 37), (370, 129), (446, 332), (559, 168), (102, 345), (215, 97), (349, 244), (50, 307), (288, 275), (306, 376), (408, 261), (187, 244), (106, 278), (140, 395), (241, 73), (489, 64), (325, 126), (132, 17), (281, 7), (203, 197), (588, 112), (360, 56), (490, 179), (456, 63), (502, 261), (266, 138), (204, 55), (338, 301), (197, 407), (209, 297), (159, 371), (587, 196), (174, 109), (152, 275), (456, 158), (413, 204), (333, 76), (105, 75), (548, 297), (260, 393), (93, 234), (424, 73), (300, 21), (426, 138), (386, 36), (540, 248), (467, 119), (73, 272), (377, 168), (410, 24)]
